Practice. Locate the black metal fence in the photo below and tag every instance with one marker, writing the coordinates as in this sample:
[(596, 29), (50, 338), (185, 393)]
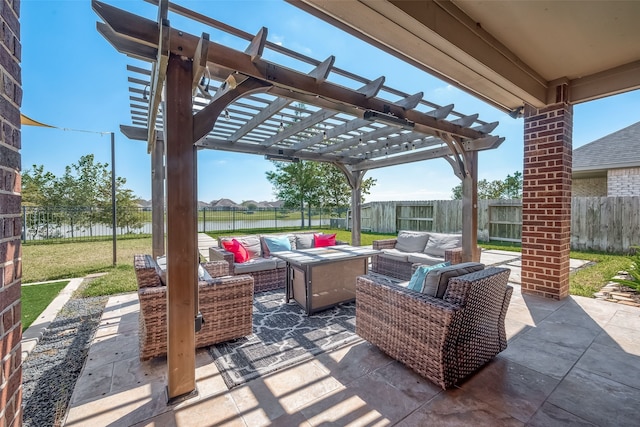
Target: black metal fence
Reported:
[(86, 223)]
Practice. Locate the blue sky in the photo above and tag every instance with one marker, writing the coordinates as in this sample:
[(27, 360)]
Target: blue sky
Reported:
[(72, 78)]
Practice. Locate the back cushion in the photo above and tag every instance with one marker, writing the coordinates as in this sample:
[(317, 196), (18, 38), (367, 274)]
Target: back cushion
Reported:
[(438, 243), (435, 283), (304, 241), (412, 241)]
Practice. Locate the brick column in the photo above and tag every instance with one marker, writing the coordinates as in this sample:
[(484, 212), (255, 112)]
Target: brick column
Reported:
[(10, 217), (546, 201)]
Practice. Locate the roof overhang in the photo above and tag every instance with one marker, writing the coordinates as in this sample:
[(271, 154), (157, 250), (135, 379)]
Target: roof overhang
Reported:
[(508, 53)]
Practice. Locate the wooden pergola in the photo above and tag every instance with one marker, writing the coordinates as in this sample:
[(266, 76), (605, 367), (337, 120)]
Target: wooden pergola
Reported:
[(200, 94)]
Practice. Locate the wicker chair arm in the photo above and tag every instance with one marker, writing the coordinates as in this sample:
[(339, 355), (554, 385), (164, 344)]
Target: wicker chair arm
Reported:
[(384, 244), (217, 254), (216, 268), (225, 281), (454, 256)]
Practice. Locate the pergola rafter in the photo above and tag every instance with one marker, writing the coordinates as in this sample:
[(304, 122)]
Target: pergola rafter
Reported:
[(278, 112)]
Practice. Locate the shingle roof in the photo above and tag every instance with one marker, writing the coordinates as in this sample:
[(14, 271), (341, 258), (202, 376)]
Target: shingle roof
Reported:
[(616, 150)]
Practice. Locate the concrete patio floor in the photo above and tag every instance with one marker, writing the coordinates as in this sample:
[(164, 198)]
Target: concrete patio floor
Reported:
[(570, 362)]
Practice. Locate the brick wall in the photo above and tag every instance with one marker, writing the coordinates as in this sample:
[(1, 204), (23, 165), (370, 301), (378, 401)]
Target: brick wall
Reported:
[(546, 201), (10, 219), (623, 182), (590, 187)]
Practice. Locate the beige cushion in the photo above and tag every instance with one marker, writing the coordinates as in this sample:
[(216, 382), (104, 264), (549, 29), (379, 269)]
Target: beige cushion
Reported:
[(412, 241), (161, 268), (257, 264), (304, 241), (435, 284), (395, 254), (439, 242), (419, 258)]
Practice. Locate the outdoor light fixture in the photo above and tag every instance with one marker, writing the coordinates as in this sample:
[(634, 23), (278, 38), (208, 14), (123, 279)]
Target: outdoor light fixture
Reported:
[(281, 158), (227, 116), (390, 119), (281, 127), (144, 92), (515, 113)]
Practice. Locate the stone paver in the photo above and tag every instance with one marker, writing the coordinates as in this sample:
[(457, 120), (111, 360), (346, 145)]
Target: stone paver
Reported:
[(567, 363)]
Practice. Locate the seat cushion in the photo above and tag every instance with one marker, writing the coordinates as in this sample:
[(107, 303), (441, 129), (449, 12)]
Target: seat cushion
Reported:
[(257, 264), (416, 283), (395, 254), (438, 243), (437, 279), (412, 241), (420, 258)]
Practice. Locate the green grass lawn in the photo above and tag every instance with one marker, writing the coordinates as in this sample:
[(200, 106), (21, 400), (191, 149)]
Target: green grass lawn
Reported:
[(587, 281), (68, 260), (35, 298)]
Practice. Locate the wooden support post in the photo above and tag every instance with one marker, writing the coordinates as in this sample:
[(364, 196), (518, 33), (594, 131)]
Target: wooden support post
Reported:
[(157, 198), (356, 212), (470, 209), (182, 244)]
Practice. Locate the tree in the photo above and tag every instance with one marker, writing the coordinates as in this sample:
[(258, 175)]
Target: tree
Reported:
[(296, 183), (84, 191), (37, 186), (510, 188), (513, 186), (336, 192)]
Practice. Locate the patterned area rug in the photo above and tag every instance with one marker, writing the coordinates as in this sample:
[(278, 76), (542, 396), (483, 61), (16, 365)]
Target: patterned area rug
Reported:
[(282, 336)]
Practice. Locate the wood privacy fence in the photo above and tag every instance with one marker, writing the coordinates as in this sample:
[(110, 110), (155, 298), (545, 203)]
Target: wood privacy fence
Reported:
[(610, 224)]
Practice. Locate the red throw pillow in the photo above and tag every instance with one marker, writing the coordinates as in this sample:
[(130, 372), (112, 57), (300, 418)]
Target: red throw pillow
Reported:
[(322, 240), (240, 253)]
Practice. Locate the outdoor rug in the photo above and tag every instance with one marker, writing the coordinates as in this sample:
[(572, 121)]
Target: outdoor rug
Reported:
[(282, 336)]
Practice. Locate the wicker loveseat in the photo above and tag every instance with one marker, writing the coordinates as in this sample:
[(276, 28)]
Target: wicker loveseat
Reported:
[(410, 248), (226, 304), (268, 272), (442, 339)]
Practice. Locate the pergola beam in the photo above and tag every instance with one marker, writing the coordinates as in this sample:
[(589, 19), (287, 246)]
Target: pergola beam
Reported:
[(228, 60)]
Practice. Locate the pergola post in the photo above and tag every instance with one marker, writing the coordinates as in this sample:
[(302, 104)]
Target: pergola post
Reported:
[(356, 212), (157, 198), (470, 209), (182, 254), (354, 178)]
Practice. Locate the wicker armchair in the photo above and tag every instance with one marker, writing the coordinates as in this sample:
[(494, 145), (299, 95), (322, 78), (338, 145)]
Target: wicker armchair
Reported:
[(226, 304), (444, 340)]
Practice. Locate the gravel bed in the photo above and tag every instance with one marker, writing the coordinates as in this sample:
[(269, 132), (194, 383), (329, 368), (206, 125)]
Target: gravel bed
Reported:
[(50, 372)]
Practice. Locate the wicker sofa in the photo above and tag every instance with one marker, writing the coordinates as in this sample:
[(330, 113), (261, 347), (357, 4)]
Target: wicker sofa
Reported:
[(411, 248), (442, 339), (268, 272), (226, 304)]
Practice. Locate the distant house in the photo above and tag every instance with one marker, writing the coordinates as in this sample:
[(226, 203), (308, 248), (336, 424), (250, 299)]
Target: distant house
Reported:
[(609, 166)]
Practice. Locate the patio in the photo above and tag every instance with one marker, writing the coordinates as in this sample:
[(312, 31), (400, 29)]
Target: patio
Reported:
[(569, 362)]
